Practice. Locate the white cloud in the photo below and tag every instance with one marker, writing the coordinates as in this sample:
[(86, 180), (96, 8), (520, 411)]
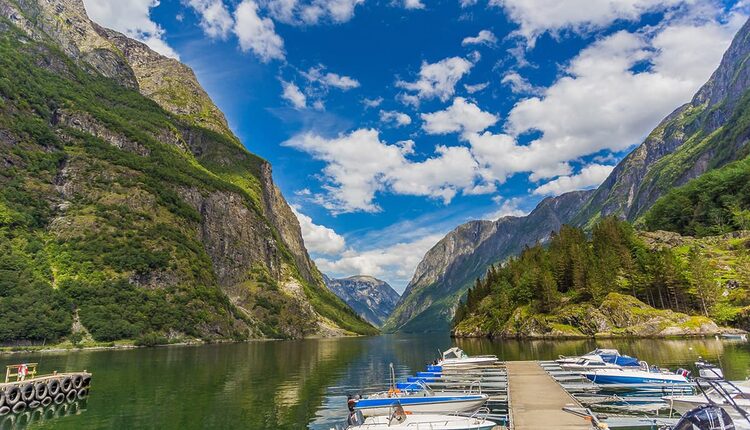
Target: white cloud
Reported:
[(293, 94), (328, 79), (413, 4), (257, 34), (539, 16), (132, 18), (485, 37), (519, 85), (372, 103), (467, 3), (397, 118), (471, 89), (436, 80), (319, 239), (359, 165), (394, 263), (216, 21), (460, 117), (508, 207), (590, 176), (296, 12)]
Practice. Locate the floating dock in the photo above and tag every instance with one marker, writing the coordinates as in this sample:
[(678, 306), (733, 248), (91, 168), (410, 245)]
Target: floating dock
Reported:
[(537, 400)]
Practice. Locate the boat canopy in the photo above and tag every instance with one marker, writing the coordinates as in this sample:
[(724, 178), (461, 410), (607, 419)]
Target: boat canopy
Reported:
[(620, 360), (454, 353)]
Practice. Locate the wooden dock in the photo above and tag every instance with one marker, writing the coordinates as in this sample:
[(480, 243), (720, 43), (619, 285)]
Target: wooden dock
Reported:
[(536, 400)]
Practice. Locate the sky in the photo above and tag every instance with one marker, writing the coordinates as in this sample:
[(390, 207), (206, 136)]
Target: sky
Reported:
[(390, 122)]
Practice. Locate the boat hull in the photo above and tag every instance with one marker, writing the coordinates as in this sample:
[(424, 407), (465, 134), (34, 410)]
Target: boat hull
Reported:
[(433, 422), (635, 377), (683, 404), (421, 405)]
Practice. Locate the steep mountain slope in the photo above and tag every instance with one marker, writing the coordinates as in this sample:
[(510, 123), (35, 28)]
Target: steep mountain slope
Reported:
[(706, 133), (371, 298), (452, 265), (127, 205)]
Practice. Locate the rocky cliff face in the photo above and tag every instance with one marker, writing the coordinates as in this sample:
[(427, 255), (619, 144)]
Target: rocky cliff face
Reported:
[(187, 209), (370, 297), (452, 265), (703, 134)]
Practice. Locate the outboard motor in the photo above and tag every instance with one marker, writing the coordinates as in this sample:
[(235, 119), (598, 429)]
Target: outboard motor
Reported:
[(706, 417), (355, 417)]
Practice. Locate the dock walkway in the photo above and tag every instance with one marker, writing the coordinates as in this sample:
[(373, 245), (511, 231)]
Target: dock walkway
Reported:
[(536, 400)]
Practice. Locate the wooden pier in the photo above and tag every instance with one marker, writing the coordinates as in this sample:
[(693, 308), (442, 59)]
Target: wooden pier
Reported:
[(536, 400)]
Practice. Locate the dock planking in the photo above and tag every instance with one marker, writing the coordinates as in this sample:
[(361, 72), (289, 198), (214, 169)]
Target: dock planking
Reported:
[(536, 400)]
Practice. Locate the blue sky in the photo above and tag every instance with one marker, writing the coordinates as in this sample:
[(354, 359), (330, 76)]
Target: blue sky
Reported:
[(388, 123)]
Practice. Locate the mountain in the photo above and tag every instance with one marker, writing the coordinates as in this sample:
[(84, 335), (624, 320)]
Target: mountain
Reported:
[(702, 135), (463, 255), (371, 298), (706, 133), (128, 207)]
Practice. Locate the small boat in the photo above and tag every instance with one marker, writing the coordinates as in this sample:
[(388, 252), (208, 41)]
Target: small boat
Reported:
[(401, 419), (707, 370), (733, 398), (421, 403), (644, 375), (733, 336), (455, 357)]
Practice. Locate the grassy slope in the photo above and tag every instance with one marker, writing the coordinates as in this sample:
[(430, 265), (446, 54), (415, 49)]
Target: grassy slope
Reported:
[(124, 221)]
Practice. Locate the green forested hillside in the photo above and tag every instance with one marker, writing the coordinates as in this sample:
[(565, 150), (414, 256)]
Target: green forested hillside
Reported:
[(576, 274), (103, 206)]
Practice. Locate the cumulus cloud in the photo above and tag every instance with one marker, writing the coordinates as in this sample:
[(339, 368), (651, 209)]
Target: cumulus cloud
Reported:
[(329, 79), (460, 117), (485, 37), (436, 80), (393, 117), (536, 17), (257, 34), (590, 176), (359, 165), (215, 19), (132, 18), (319, 239), (293, 95), (394, 262), (507, 207), (297, 12)]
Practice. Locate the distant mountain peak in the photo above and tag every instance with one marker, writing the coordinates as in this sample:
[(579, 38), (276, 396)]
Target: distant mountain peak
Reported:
[(373, 299)]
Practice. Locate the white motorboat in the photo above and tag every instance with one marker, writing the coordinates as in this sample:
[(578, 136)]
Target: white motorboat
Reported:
[(645, 375), (455, 357), (590, 362), (399, 419), (728, 396)]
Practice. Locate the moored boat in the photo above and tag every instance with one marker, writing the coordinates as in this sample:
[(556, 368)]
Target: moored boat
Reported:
[(455, 357), (421, 403), (641, 376), (401, 419)]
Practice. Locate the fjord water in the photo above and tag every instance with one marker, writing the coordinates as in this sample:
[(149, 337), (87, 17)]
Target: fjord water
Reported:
[(299, 384)]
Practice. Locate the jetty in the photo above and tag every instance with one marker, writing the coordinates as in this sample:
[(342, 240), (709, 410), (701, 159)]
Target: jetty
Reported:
[(24, 389), (537, 400)]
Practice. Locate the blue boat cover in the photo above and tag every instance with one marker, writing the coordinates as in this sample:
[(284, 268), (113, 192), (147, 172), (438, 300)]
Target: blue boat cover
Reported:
[(432, 368), (405, 401), (409, 386), (621, 360)]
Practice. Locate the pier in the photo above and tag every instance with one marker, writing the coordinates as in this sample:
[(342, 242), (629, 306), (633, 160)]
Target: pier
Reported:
[(537, 400)]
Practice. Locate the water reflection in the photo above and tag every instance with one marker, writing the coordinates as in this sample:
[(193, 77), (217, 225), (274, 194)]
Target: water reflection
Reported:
[(301, 384), (43, 416)]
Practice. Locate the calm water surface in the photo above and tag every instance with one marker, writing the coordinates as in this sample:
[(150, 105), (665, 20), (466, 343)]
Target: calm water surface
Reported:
[(298, 384)]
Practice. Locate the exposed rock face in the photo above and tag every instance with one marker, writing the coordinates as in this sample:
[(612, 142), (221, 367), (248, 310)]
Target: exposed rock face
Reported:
[(452, 265), (618, 316), (370, 297), (191, 174), (703, 134)]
